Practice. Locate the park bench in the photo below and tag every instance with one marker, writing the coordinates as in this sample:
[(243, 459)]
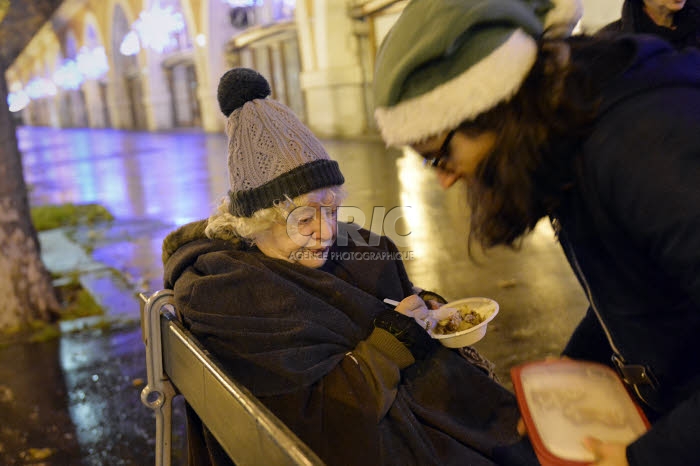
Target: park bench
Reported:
[(177, 364)]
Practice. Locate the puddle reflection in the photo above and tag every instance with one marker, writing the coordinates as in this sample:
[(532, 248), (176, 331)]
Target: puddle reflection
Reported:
[(133, 174)]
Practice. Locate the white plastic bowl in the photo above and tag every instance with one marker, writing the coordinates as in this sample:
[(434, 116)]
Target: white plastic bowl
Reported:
[(488, 308)]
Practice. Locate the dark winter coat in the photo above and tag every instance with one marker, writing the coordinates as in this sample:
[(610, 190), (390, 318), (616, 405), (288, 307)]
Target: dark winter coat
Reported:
[(635, 21), (304, 342), (631, 231)]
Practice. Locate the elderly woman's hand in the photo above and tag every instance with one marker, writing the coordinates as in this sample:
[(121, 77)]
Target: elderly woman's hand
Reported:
[(413, 306), (426, 315)]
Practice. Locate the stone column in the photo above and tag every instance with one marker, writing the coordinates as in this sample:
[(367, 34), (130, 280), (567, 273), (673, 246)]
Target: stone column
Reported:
[(331, 78), (156, 99), (210, 63)]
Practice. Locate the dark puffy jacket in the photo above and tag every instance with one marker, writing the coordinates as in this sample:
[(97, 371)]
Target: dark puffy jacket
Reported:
[(631, 231), (634, 20)]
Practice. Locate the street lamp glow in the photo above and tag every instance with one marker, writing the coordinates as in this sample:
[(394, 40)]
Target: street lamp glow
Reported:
[(17, 100), (68, 76), (130, 44), (40, 87), (241, 3), (157, 26), (201, 40), (92, 63)]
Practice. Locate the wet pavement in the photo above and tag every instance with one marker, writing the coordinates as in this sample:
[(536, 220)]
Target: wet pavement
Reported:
[(76, 399)]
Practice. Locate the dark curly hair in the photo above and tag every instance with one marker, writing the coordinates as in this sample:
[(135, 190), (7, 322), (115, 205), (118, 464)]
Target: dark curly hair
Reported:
[(539, 133)]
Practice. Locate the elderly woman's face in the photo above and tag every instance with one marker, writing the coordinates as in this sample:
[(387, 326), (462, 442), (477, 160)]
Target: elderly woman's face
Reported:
[(304, 238)]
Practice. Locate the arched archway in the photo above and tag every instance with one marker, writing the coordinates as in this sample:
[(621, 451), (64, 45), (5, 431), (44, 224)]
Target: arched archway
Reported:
[(43, 109), (95, 67), (125, 79), (179, 69), (71, 99), (172, 76)]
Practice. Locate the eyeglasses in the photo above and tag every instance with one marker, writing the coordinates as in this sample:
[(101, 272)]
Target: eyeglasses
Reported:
[(439, 161)]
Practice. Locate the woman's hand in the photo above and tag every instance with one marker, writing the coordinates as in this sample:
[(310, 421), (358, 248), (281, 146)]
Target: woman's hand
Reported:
[(413, 306), (426, 315), (607, 454)]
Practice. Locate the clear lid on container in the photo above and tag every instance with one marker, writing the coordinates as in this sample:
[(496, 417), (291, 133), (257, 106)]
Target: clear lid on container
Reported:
[(564, 401)]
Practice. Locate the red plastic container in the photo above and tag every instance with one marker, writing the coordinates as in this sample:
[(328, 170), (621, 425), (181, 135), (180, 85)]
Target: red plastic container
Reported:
[(563, 401)]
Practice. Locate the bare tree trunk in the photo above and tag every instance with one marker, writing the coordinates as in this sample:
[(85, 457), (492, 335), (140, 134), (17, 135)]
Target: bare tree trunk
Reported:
[(25, 284)]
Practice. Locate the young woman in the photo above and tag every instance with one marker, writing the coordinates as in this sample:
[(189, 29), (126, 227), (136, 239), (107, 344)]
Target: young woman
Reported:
[(600, 135)]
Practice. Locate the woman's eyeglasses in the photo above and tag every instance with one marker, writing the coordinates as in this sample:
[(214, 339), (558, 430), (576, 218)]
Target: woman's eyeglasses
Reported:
[(439, 161)]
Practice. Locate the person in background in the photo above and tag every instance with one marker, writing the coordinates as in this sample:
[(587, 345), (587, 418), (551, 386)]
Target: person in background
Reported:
[(599, 134), (677, 21), (294, 311)]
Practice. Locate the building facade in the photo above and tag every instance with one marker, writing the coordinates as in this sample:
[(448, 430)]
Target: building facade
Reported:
[(154, 65)]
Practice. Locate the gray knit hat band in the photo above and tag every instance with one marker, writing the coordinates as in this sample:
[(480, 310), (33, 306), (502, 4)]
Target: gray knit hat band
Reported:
[(300, 180)]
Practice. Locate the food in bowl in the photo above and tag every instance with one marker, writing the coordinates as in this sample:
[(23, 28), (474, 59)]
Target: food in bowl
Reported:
[(462, 318), (468, 317)]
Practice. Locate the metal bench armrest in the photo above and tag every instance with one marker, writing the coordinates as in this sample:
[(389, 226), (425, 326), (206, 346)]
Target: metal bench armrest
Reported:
[(178, 364)]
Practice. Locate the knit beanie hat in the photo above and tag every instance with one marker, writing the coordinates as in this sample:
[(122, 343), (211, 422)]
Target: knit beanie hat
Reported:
[(271, 154), (447, 61)]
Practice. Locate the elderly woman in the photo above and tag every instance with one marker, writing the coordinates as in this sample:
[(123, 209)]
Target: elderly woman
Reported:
[(602, 135), (299, 318)]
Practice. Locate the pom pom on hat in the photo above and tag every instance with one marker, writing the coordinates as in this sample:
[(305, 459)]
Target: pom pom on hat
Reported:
[(473, 55), (271, 153), (238, 86)]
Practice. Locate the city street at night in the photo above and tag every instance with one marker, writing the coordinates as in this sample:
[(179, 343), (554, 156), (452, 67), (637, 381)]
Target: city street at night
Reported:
[(79, 395), (192, 132)]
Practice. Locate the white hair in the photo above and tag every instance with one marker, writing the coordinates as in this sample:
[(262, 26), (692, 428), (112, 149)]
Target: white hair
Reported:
[(222, 225)]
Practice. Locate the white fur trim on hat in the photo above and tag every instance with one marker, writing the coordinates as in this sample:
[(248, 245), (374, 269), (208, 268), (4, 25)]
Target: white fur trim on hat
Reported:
[(562, 18), (495, 78)]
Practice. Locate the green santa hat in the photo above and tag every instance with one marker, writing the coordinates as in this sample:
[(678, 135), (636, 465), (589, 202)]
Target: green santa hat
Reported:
[(447, 61)]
